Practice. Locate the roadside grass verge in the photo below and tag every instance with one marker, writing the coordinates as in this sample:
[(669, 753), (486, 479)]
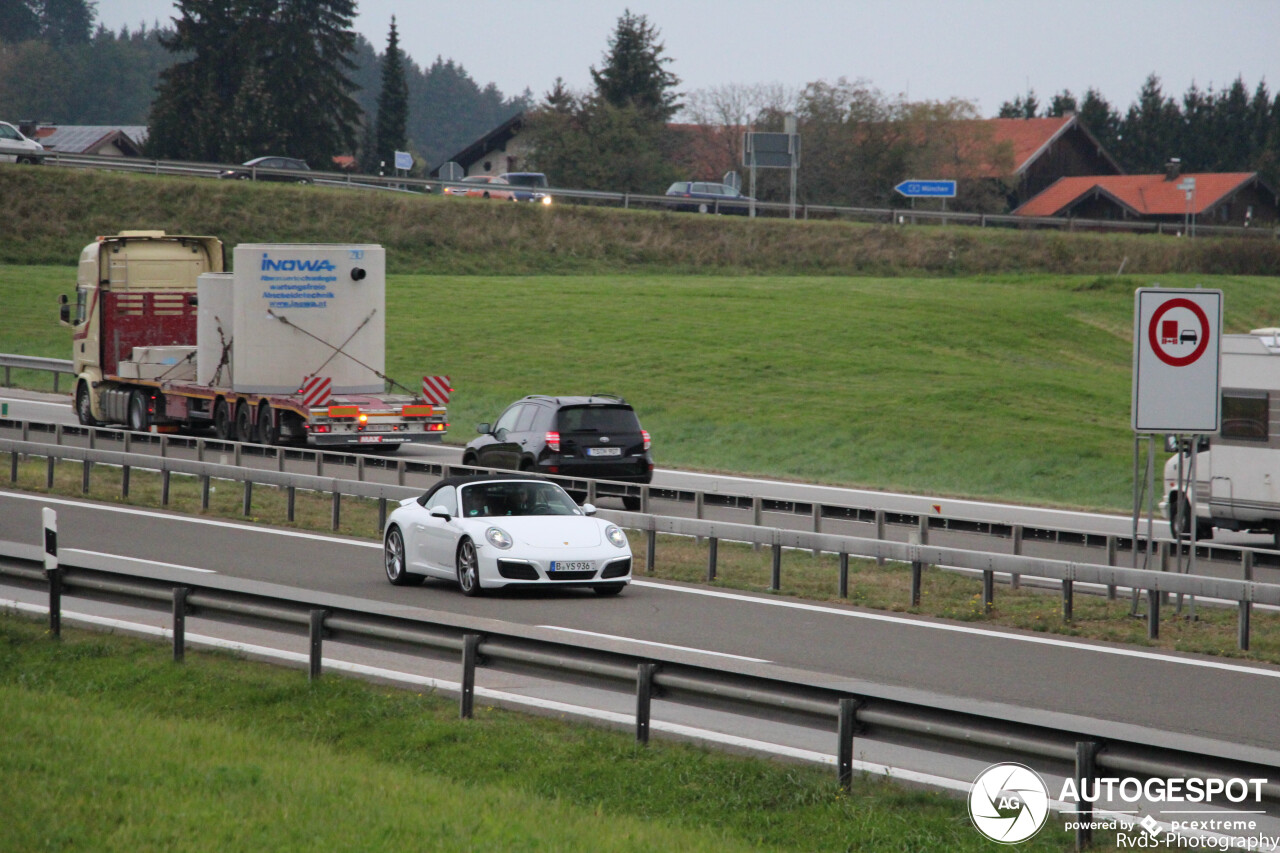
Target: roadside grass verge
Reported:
[(1014, 388), (109, 746), (945, 594)]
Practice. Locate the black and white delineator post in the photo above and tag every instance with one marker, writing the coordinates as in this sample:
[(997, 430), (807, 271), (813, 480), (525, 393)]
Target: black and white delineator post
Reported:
[(51, 569)]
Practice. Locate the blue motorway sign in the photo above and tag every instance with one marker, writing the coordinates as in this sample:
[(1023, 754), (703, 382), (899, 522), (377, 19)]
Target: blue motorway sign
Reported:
[(927, 189)]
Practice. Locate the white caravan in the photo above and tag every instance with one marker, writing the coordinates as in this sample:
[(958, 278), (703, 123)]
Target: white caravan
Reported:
[(1237, 476)]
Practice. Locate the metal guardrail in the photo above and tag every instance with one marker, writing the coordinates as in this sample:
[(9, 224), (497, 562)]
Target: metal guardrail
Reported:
[(888, 714), (1157, 584), (57, 366), (900, 216)]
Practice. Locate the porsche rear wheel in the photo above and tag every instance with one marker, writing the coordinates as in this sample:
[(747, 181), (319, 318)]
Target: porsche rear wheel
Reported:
[(468, 568)]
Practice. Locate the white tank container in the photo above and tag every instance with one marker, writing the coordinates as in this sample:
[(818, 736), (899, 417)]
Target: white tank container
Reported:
[(293, 307)]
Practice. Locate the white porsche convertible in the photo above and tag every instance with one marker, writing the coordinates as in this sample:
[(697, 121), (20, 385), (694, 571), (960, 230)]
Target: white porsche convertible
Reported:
[(488, 532)]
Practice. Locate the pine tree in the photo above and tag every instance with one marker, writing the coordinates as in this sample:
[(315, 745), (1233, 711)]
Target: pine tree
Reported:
[(633, 73), (1149, 134), (391, 133), (19, 21), (1062, 103)]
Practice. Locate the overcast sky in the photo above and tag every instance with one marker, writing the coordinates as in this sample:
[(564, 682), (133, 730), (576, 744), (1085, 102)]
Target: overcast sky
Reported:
[(987, 51)]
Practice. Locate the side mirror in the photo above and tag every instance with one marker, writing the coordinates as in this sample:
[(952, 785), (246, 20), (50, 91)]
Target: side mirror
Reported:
[(483, 429), (64, 310), (440, 512), (589, 509)]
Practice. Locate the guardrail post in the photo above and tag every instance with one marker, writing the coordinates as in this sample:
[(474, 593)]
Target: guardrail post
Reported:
[(13, 467), (1015, 580), (316, 637), (775, 573), (917, 569), (714, 544), (164, 446), (699, 505), (1246, 565), (280, 459), (1246, 611), (360, 468), (845, 730), (592, 496), (644, 697), (382, 515), (85, 468), (204, 491), (93, 439), (399, 472), (1086, 770), (1111, 561), (644, 499), (988, 590), (843, 585), (248, 496), (651, 545), (817, 524), (924, 529), (290, 501), (757, 516), (336, 517), (470, 657), (1153, 614), (57, 434), (128, 442), (238, 452), (52, 571), (180, 594), (124, 480), (319, 463), (48, 473), (164, 486), (880, 532), (199, 449), (1068, 599)]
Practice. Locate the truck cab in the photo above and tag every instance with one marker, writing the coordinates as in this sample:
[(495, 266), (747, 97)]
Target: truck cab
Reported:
[(133, 289)]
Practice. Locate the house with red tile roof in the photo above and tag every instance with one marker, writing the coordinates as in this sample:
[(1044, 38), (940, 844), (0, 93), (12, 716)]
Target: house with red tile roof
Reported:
[(1219, 198), (1043, 150)]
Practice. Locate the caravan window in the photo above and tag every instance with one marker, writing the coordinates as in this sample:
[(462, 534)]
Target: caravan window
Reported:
[(1246, 415)]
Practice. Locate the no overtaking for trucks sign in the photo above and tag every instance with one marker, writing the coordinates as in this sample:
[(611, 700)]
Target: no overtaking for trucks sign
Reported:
[(1176, 344)]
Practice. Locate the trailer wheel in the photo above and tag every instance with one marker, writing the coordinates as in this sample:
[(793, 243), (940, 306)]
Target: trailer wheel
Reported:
[(245, 426), (139, 418), (84, 406), (1180, 519), (268, 429), (222, 420)]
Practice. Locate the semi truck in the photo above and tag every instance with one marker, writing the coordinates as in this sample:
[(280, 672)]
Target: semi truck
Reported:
[(1237, 469), (287, 349)]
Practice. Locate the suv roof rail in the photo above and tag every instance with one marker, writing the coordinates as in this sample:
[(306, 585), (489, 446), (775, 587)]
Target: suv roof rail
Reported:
[(607, 396)]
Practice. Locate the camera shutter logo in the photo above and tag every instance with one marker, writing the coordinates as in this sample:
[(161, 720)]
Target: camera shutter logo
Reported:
[(1008, 803)]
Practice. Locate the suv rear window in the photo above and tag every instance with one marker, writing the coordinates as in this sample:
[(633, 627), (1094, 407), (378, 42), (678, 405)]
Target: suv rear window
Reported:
[(598, 419)]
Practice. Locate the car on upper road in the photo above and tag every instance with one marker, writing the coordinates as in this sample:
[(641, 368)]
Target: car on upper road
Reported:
[(706, 197), (486, 186), (470, 179), (488, 532), (16, 147), (597, 436), (530, 185), (291, 170)]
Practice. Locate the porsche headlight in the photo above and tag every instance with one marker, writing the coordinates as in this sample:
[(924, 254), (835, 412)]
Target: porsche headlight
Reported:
[(498, 538), (615, 536)]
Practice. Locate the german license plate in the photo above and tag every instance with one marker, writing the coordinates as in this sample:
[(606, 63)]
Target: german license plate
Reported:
[(604, 451), (572, 566), (370, 439), (377, 428)]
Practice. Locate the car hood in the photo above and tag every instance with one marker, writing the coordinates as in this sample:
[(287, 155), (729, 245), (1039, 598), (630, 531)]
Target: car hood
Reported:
[(548, 531)]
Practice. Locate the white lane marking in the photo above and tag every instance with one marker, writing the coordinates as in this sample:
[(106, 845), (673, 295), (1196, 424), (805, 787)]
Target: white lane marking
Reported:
[(730, 596), (964, 629), (139, 560), (651, 643), (229, 525), (25, 402)]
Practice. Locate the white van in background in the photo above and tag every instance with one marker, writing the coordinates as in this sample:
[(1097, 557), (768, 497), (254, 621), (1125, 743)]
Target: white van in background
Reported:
[(1237, 485), (16, 148)]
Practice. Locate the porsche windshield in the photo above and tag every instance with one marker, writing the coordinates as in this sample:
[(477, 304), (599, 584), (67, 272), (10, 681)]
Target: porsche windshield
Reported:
[(480, 500)]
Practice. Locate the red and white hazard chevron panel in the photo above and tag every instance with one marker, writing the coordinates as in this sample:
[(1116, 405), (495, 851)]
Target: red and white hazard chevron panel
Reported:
[(436, 390), (316, 391)]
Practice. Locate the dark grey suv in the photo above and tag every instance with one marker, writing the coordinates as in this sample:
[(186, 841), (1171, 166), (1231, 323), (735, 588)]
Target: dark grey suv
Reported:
[(597, 437)]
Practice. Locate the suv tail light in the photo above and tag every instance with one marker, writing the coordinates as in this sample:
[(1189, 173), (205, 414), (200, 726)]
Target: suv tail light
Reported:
[(644, 433), (553, 442)]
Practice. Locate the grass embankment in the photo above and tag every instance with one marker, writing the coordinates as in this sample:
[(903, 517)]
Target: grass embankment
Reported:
[(107, 745), (1015, 388), (945, 595), (51, 213)]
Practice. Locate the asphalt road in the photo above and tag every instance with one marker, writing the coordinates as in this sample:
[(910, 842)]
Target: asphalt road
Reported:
[(1184, 695)]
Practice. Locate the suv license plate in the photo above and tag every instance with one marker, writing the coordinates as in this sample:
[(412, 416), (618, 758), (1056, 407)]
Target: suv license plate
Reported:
[(572, 566), (604, 451)]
